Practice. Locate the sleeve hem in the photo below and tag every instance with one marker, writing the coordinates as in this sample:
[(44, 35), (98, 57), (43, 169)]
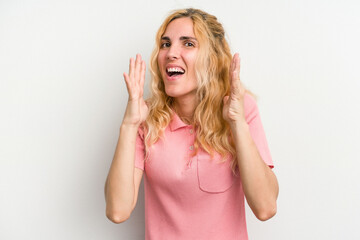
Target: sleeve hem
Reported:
[(139, 168)]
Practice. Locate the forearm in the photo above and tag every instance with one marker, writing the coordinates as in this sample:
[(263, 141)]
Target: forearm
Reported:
[(258, 180), (119, 187)]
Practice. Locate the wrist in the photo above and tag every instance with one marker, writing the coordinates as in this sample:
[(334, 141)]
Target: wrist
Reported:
[(239, 125), (129, 126)]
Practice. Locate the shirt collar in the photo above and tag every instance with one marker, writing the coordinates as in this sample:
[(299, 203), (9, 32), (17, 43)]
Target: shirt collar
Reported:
[(176, 123)]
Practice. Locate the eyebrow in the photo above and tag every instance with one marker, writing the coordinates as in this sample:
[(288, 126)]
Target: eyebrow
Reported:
[(181, 38)]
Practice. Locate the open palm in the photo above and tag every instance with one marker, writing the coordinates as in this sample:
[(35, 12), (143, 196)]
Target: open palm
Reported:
[(233, 109), (136, 110)]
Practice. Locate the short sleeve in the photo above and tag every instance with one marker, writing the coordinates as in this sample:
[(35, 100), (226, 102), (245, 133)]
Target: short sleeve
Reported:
[(257, 132), (140, 149)]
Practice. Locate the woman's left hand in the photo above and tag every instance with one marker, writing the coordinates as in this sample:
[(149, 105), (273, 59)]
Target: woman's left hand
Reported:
[(233, 110)]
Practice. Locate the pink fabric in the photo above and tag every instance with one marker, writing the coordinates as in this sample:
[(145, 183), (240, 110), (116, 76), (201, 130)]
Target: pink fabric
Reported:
[(194, 197)]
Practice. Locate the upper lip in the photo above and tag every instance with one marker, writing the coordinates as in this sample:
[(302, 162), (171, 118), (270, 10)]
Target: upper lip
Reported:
[(173, 66)]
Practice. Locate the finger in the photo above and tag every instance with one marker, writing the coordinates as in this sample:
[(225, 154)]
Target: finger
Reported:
[(231, 69), (131, 68), (235, 83), (236, 67), (237, 63), (137, 67), (143, 71), (142, 78), (232, 65), (127, 82), (234, 79)]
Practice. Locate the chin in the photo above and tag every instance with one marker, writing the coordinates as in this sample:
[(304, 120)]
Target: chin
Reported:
[(171, 93)]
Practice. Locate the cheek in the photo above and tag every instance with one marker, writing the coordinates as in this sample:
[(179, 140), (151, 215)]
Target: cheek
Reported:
[(191, 59), (162, 55), (160, 59)]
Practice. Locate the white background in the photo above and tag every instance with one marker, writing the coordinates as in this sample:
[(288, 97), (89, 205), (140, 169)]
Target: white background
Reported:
[(62, 98)]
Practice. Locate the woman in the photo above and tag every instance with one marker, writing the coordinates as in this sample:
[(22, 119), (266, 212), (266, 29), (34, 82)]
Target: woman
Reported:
[(199, 139)]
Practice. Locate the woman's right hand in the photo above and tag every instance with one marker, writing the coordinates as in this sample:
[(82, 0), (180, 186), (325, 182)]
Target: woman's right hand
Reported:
[(136, 109)]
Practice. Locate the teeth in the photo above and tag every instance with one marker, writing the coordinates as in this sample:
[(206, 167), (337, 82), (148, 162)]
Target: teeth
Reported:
[(175, 70)]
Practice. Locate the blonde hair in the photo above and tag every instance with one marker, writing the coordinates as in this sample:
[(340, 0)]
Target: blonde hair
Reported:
[(212, 74)]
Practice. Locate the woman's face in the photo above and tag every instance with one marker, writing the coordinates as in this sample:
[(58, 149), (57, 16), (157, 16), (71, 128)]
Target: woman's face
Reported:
[(176, 59)]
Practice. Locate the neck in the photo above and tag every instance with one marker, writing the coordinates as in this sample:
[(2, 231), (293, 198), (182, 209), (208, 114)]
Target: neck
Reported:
[(185, 109)]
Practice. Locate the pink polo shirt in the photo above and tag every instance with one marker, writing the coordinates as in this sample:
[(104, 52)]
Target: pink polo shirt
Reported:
[(194, 198)]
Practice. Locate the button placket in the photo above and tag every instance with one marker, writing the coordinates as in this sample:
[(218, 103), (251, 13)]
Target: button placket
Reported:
[(191, 147)]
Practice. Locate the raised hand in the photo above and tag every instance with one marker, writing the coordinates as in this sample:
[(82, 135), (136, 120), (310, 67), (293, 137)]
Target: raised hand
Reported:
[(136, 109), (233, 110)]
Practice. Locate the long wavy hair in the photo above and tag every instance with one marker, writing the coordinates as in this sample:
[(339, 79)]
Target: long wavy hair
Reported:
[(213, 83)]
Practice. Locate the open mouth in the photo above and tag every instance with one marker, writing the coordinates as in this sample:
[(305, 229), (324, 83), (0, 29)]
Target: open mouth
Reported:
[(174, 71)]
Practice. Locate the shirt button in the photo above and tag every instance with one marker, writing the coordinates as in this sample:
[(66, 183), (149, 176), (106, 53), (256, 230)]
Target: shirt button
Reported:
[(191, 148), (191, 131)]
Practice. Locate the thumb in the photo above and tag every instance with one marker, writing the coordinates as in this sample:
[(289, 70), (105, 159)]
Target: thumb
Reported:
[(225, 99)]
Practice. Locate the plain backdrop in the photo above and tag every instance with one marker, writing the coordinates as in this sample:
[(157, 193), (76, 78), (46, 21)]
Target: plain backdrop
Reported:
[(62, 99)]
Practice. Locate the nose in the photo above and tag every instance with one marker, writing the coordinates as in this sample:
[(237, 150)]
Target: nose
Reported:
[(173, 53)]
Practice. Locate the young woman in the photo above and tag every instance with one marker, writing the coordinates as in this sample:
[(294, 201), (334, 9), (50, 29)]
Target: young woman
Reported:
[(198, 139)]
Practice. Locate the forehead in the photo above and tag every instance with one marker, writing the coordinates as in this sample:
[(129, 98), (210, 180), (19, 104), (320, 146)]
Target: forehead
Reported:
[(180, 27)]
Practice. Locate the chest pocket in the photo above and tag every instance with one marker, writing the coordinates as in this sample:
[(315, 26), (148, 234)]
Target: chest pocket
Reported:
[(214, 176)]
